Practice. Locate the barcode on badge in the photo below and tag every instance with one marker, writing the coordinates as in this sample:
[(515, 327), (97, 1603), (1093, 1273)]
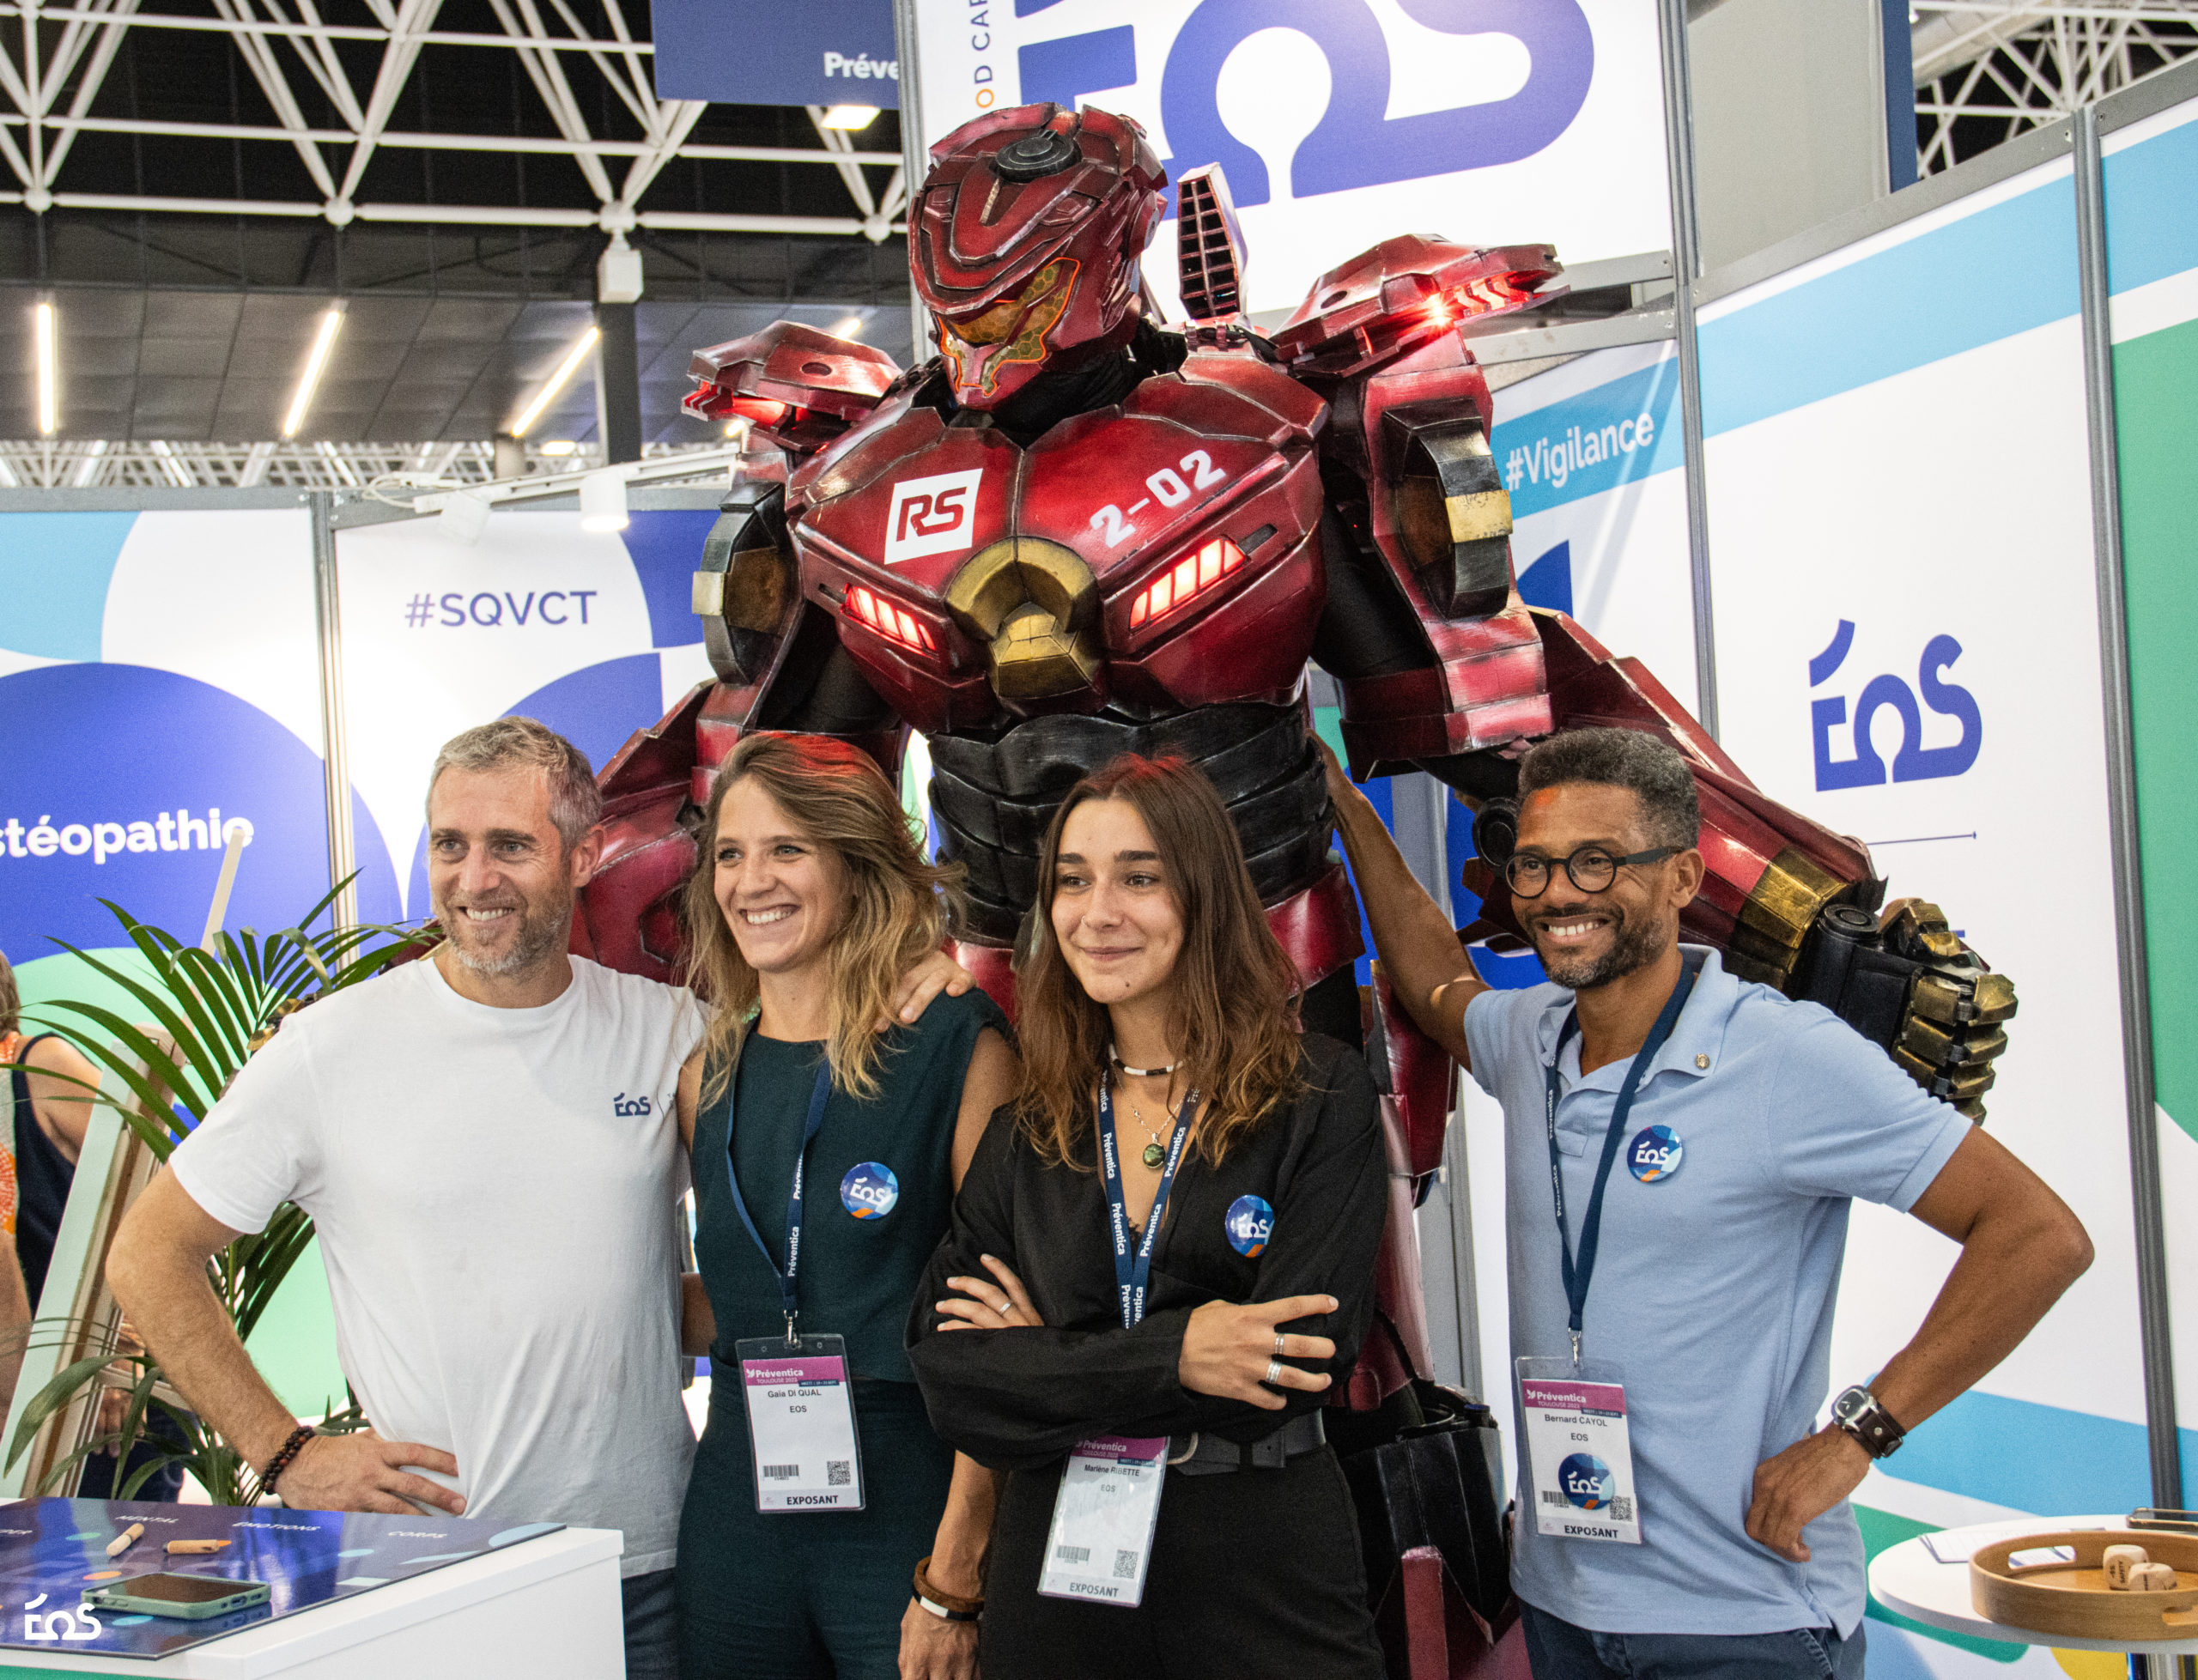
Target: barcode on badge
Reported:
[(1551, 1496), (781, 1472), (1125, 1566), (839, 1473), (1622, 1510), (1072, 1554)]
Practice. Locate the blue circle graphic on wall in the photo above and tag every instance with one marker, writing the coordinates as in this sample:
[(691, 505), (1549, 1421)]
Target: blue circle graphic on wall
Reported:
[(870, 1190), (120, 782)]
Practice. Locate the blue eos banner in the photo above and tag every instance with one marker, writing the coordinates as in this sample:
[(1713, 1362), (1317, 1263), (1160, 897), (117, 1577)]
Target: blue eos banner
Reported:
[(756, 52)]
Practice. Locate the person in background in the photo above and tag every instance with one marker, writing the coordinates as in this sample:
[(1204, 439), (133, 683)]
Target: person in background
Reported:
[(811, 894), (53, 1085), (1721, 1544), (486, 1142), (1170, 1235)]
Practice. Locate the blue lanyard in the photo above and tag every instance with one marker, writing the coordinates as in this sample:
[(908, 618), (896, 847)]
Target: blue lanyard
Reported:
[(1130, 1275), (1578, 1277), (817, 1094)]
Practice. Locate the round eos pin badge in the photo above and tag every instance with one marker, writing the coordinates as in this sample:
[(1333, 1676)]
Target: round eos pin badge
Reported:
[(870, 1190), (1249, 1223), (1586, 1481), (1654, 1154)]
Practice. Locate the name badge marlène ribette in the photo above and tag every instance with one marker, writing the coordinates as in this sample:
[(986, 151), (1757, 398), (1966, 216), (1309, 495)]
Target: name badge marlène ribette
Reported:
[(801, 1424), (1579, 1450), (1103, 1516)]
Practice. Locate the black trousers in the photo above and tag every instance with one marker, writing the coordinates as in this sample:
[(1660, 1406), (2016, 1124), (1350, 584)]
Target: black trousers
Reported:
[(1253, 1576)]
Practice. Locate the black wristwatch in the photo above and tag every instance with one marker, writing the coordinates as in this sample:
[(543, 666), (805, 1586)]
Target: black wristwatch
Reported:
[(1857, 1411)]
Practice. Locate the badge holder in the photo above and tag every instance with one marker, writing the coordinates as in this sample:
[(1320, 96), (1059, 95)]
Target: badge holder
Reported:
[(1100, 1539), (801, 1422), (1579, 1450)]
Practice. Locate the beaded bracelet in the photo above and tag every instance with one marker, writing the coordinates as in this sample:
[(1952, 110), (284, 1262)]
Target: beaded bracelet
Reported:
[(287, 1456), (945, 1605)]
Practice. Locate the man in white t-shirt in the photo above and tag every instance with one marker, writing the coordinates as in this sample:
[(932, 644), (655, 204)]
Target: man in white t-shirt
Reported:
[(486, 1142)]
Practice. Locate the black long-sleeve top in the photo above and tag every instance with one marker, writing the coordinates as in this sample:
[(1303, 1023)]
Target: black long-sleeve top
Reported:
[(1018, 1398)]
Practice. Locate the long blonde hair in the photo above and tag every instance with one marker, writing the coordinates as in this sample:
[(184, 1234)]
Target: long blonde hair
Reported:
[(1233, 982), (898, 905)]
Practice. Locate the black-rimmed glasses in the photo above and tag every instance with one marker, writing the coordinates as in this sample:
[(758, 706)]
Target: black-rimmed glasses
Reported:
[(1593, 868)]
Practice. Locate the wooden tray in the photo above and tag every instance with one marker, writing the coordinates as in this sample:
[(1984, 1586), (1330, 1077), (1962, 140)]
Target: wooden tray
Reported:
[(2074, 1598)]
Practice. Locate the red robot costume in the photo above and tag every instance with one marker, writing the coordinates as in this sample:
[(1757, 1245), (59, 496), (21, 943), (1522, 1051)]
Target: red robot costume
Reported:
[(1075, 534)]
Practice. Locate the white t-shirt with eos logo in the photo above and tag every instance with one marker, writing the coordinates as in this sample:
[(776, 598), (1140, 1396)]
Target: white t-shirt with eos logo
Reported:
[(496, 1192)]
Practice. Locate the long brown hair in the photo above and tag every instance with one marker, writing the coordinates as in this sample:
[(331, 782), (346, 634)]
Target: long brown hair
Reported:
[(898, 907), (1232, 982)]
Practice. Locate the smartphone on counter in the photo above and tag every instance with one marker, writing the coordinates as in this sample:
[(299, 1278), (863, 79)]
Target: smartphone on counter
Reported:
[(186, 1597)]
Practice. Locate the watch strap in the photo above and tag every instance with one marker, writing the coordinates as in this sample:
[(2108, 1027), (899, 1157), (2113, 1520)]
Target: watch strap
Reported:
[(1877, 1431)]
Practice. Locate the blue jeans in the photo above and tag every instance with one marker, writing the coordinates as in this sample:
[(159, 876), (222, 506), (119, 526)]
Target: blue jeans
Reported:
[(652, 1642), (1559, 1651)]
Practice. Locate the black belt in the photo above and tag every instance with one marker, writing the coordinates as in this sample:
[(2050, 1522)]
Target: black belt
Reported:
[(1201, 1454)]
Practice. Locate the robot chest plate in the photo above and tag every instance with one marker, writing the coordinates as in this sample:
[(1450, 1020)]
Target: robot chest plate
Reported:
[(969, 574)]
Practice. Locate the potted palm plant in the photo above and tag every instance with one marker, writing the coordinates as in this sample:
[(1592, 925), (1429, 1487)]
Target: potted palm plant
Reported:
[(206, 1010)]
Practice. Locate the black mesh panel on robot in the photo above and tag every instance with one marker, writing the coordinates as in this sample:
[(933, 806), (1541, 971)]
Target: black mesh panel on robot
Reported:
[(994, 799)]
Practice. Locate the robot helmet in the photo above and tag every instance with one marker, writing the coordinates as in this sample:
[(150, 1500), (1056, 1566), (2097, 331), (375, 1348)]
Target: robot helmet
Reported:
[(1025, 240)]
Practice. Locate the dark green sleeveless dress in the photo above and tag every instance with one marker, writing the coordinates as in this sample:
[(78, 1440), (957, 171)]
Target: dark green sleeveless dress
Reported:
[(790, 1595)]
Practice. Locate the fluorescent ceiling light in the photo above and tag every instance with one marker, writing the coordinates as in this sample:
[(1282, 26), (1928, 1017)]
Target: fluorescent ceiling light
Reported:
[(558, 381), (603, 501), (849, 117), (559, 446), (47, 379), (850, 327), (316, 363)]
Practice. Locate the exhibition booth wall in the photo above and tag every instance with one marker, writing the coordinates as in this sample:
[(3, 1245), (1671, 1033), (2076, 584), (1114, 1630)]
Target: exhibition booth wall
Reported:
[(1914, 460)]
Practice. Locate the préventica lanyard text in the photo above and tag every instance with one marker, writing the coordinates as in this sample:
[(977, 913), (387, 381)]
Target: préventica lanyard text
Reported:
[(801, 1419), (1101, 1540), (1578, 1274)]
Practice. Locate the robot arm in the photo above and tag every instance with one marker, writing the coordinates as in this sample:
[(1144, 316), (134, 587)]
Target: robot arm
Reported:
[(1426, 634)]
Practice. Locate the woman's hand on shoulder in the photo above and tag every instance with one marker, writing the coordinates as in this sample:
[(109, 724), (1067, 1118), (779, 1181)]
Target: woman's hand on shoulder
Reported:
[(998, 1302), (1234, 1352), (935, 974)]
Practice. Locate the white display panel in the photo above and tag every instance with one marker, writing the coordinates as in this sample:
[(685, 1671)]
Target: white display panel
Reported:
[(1340, 123), (1900, 523)]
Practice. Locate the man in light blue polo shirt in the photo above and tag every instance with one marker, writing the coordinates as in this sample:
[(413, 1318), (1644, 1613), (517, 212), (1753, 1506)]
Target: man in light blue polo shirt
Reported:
[(1679, 1516)]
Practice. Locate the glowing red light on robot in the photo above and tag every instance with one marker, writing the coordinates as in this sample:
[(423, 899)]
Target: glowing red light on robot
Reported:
[(761, 410), (889, 621), (1191, 575)]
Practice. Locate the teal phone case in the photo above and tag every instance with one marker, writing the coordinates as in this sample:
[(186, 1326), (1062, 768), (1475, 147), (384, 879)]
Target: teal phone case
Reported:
[(116, 1596)]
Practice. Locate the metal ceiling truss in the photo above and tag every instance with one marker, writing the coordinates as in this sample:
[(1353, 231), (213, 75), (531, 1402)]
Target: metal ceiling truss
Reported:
[(1986, 72), (54, 62), (55, 465)]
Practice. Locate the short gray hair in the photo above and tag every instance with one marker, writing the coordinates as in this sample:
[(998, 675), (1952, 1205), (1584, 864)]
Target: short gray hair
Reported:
[(1654, 772), (521, 743)]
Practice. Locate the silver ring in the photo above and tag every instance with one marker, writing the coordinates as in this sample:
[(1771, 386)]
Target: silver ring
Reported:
[(1278, 1348), (1274, 1371)]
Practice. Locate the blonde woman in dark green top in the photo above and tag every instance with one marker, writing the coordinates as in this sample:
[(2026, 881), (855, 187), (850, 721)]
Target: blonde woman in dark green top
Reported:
[(812, 900)]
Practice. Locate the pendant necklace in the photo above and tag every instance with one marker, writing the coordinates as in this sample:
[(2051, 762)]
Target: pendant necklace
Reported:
[(1156, 1152)]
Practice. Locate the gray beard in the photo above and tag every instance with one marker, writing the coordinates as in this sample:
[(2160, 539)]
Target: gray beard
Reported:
[(542, 933), (1635, 948)]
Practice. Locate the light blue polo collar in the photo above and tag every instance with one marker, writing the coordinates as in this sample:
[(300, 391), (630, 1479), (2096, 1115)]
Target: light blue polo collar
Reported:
[(1694, 1048)]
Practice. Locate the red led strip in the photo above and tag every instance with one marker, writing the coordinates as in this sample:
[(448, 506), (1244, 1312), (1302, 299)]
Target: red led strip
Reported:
[(1189, 577), (894, 623)]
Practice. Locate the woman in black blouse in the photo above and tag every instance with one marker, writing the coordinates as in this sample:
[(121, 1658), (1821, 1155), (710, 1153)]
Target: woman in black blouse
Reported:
[(1062, 1308)]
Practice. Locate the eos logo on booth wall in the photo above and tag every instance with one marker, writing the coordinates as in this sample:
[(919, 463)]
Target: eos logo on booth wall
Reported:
[(1356, 143), (932, 515), (1914, 761)]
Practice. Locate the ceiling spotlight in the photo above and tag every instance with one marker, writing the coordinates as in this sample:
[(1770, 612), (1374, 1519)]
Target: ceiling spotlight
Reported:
[(849, 117), (316, 362), (558, 381), (603, 501), (558, 446), (47, 378)]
